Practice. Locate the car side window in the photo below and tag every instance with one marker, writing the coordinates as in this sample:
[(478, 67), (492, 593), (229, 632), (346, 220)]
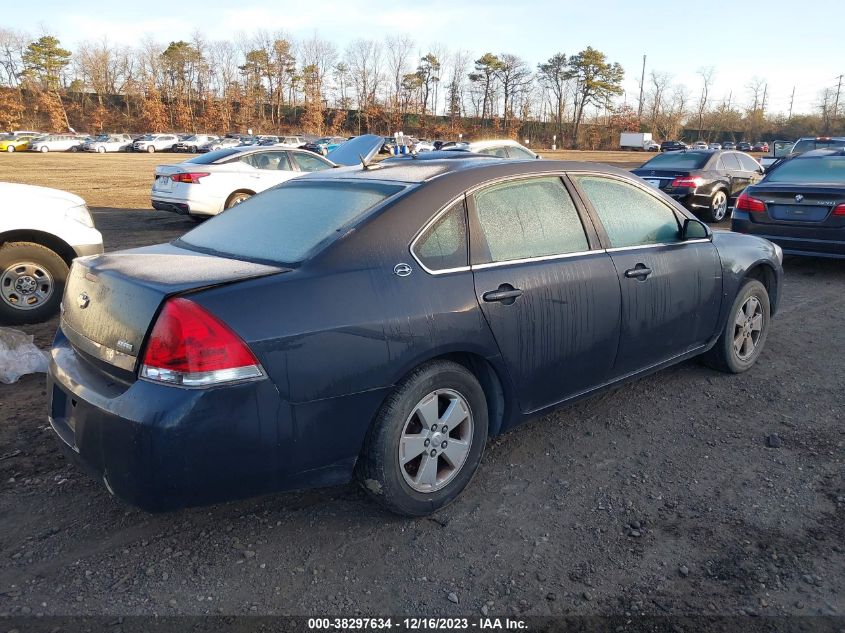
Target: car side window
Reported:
[(518, 152), (444, 244), (501, 152), (528, 218), (308, 162), (631, 216), (730, 162), (748, 163)]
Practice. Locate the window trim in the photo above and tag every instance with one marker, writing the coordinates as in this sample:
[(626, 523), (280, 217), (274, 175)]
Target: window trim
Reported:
[(432, 221)]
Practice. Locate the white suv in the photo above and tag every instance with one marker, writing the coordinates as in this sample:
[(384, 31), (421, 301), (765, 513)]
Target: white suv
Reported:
[(155, 142), (41, 231)]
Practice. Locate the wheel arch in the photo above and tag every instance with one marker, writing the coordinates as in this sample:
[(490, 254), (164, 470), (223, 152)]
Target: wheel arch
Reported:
[(765, 274), (42, 238), (235, 192)]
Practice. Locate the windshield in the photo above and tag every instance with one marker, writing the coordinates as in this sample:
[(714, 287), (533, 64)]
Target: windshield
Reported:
[(820, 170), (678, 160), (192, 137), (147, 137), (808, 144), (212, 157), (289, 223), (102, 137)]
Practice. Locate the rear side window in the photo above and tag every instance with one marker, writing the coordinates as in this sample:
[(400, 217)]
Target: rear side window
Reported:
[(528, 218), (748, 163), (444, 244), (730, 162), (288, 223), (631, 217)]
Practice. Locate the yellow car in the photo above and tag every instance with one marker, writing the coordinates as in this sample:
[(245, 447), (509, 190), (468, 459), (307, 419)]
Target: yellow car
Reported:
[(15, 143)]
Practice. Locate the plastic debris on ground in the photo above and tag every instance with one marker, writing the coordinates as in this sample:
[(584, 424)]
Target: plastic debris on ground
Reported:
[(19, 356)]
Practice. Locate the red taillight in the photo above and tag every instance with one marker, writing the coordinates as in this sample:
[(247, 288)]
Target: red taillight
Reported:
[(747, 203), (190, 347), (693, 182), (191, 178), (839, 209)]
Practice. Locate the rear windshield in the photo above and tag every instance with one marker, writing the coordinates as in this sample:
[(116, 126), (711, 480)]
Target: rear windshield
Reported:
[(213, 157), (809, 144), (678, 160), (288, 223), (826, 170)]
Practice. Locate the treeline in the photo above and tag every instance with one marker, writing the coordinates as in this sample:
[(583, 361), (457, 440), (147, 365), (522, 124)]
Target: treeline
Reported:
[(274, 83)]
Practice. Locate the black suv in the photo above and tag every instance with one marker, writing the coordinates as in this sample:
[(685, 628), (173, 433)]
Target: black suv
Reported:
[(671, 146)]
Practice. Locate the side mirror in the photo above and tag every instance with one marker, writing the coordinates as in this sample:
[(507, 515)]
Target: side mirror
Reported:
[(694, 230)]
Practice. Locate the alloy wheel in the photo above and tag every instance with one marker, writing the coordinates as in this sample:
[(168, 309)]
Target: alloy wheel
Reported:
[(435, 440), (720, 206), (748, 326), (26, 285)]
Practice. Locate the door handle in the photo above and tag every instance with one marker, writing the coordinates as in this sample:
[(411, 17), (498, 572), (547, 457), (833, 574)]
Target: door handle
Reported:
[(640, 271), (505, 294)]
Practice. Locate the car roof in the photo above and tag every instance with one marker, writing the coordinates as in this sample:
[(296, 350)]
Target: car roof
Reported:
[(821, 153), (418, 172)]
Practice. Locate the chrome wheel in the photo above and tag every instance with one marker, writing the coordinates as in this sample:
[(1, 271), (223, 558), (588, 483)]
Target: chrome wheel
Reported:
[(719, 206), (26, 286), (435, 440), (237, 199), (748, 326)]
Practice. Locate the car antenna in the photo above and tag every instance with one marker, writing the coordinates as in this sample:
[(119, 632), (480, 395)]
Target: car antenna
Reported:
[(366, 165)]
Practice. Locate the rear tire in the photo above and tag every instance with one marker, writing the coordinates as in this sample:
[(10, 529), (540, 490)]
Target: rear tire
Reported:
[(407, 464), (742, 341), (236, 198), (718, 209), (10, 149), (30, 275)]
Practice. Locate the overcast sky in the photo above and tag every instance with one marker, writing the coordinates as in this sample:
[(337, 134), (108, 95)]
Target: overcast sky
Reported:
[(785, 42)]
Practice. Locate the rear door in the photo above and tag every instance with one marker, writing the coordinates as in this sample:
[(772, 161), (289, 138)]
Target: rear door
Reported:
[(671, 289), (731, 168), (271, 168), (549, 294)]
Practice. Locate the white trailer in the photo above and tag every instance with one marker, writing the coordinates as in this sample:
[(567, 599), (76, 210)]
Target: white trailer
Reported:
[(635, 140)]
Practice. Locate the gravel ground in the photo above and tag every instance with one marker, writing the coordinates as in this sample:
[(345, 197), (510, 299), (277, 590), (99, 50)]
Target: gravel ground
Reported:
[(688, 492)]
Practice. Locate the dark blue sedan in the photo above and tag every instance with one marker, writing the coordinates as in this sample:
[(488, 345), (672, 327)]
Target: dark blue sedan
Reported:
[(384, 322), (800, 205)]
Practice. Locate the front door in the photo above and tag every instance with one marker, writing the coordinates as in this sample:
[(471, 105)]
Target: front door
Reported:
[(671, 289), (550, 298)]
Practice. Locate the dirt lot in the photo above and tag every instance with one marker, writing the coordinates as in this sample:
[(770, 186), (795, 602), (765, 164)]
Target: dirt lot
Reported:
[(662, 497)]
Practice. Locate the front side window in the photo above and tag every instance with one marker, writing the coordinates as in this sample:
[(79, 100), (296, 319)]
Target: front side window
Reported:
[(444, 244), (309, 161), (730, 162), (519, 152), (528, 218), (631, 216), (748, 163)]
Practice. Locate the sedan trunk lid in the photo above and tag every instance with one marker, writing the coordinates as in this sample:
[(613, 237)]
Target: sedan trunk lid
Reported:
[(111, 300)]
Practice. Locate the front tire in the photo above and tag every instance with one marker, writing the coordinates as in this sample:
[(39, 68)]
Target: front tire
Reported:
[(151, 149), (10, 149), (745, 333), (32, 280), (44, 149), (718, 209), (408, 463), (101, 150)]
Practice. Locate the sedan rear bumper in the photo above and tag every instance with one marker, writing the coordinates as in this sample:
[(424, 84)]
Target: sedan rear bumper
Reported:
[(794, 240), (161, 447)]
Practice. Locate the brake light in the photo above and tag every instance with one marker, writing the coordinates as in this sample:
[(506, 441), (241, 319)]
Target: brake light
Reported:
[(191, 178), (747, 203), (693, 182), (191, 347), (839, 209)]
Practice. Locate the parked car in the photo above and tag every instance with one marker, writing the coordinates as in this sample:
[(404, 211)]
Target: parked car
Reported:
[(760, 146), (699, 145), (744, 146), (672, 146), (16, 143), (324, 145), (800, 205), (503, 148), (193, 142), (103, 143), (638, 141), (291, 141), (421, 145), (728, 145), (809, 143), (704, 181), (779, 150), (207, 185), (155, 143), (714, 146), (221, 143), (339, 325), (41, 231), (57, 143), (651, 146)]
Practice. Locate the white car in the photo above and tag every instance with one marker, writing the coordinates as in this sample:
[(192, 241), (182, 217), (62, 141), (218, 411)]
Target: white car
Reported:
[(57, 143), (700, 145), (221, 143), (155, 143), (651, 146), (291, 141), (103, 143), (715, 146), (41, 231), (423, 146), (503, 148), (209, 184), (194, 142)]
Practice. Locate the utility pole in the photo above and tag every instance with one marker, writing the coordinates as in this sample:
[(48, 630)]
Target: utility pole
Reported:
[(763, 105), (836, 102), (791, 101), (642, 85)]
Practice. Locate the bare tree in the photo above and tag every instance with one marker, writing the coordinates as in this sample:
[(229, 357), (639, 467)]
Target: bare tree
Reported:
[(706, 75), (398, 49), (515, 78)]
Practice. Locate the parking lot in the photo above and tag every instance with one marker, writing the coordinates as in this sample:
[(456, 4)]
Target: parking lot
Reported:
[(667, 496)]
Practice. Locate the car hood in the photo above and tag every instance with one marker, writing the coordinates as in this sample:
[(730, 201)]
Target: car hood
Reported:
[(351, 152), (27, 194)]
